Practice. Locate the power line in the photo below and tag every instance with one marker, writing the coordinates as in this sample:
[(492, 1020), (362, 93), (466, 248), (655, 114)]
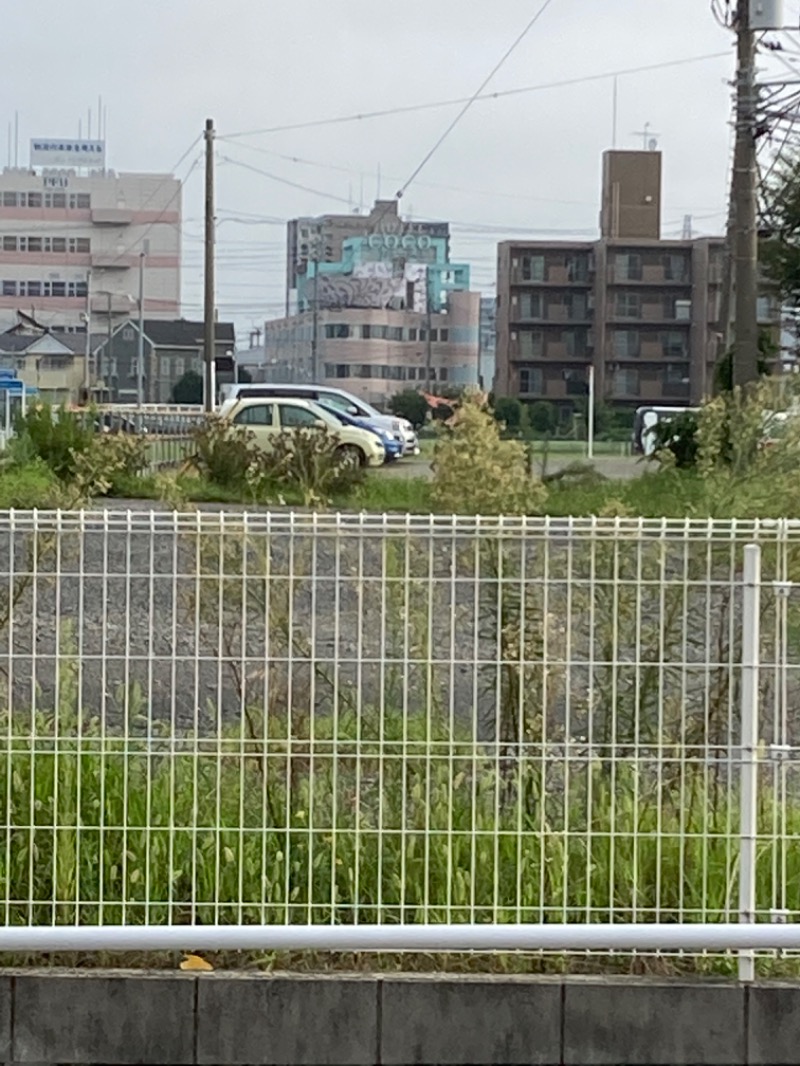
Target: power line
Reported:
[(504, 58), (411, 108)]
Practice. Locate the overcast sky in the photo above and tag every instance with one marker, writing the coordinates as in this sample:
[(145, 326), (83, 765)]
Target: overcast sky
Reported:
[(518, 164)]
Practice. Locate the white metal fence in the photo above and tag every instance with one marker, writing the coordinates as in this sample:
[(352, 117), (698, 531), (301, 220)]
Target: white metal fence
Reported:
[(319, 720)]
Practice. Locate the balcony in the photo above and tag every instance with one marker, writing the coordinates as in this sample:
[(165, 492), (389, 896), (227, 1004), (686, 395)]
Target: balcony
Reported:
[(109, 261), (110, 216)]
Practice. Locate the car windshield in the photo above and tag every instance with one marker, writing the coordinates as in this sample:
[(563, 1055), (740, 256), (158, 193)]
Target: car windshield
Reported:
[(339, 415)]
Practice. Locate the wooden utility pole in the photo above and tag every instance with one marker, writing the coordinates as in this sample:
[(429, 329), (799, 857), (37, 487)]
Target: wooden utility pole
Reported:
[(745, 205), (209, 316)]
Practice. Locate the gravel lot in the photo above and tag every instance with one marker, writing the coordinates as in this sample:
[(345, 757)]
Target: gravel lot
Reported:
[(186, 622)]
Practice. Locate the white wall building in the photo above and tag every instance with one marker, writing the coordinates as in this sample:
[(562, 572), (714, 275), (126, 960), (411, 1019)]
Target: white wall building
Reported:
[(63, 229)]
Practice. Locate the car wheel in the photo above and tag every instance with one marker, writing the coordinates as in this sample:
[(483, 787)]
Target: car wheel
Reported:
[(351, 455)]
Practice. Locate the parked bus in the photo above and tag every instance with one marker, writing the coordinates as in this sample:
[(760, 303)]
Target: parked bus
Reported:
[(644, 422)]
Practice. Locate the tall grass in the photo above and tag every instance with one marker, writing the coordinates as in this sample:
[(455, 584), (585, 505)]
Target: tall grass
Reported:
[(363, 818)]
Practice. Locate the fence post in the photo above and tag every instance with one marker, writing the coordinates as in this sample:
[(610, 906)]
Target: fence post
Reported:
[(748, 808)]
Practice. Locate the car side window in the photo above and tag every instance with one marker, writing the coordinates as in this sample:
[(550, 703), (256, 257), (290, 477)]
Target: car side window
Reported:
[(257, 415), (296, 417)]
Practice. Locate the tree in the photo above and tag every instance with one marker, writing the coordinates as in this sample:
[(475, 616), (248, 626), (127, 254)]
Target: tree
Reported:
[(542, 417), (188, 389), (410, 405), (779, 248), (508, 409)]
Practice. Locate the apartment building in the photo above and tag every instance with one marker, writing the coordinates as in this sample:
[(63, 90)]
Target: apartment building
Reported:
[(322, 239), (640, 310), (72, 235)]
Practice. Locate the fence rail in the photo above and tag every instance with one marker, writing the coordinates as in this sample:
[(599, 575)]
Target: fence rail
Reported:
[(306, 720)]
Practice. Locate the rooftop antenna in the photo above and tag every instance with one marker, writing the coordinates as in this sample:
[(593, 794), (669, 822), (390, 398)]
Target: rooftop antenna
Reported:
[(614, 115), (649, 139), (687, 227)]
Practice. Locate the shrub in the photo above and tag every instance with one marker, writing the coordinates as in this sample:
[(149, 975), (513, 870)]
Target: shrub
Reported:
[(475, 471), (311, 462), (188, 389), (410, 405), (678, 437), (27, 486), (55, 436), (508, 410), (542, 417), (226, 455)]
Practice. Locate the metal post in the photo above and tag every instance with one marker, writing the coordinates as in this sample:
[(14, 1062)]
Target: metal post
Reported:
[(748, 810), (590, 421), (209, 310), (109, 352), (140, 340), (428, 327), (745, 198)]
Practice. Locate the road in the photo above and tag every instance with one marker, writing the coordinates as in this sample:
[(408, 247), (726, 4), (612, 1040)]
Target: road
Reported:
[(615, 467)]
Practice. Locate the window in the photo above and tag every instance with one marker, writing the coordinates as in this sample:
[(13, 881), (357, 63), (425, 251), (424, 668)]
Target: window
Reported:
[(412, 334), (77, 288), (34, 199), (297, 417), (9, 199), (57, 199), (82, 245), (395, 333), (58, 244), (530, 305), (9, 244), (58, 288), (576, 305), (81, 200), (531, 344), (257, 415), (366, 333), (626, 344), (625, 382), (577, 267), (444, 335), (434, 335), (127, 333), (337, 331), (34, 288), (676, 268), (531, 380), (628, 305), (628, 267), (533, 268), (9, 288), (674, 343)]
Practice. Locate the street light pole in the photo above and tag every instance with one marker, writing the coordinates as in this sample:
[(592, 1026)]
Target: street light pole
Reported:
[(590, 425), (87, 351), (140, 343)]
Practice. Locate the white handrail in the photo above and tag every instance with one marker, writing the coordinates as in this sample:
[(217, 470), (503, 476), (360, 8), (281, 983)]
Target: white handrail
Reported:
[(647, 938)]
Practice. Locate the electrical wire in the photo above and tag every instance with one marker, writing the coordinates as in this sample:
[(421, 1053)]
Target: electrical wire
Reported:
[(469, 103), (502, 94)]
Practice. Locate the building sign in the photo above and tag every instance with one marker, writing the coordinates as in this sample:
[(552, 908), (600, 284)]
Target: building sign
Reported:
[(397, 242), (60, 181), (52, 153)]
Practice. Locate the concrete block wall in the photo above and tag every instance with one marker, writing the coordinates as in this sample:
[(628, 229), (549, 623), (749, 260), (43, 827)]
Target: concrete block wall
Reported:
[(116, 1017)]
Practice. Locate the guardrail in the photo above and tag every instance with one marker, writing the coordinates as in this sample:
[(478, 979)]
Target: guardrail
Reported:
[(403, 733)]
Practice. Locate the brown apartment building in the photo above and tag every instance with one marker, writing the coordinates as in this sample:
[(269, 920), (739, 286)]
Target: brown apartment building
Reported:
[(641, 310)]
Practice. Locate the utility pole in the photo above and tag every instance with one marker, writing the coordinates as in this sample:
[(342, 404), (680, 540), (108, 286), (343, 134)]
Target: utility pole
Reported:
[(590, 418), (209, 317), (140, 339), (745, 204), (315, 319), (87, 351), (109, 352)]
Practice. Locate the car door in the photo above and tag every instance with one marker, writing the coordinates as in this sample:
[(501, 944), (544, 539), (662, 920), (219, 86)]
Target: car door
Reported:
[(259, 419)]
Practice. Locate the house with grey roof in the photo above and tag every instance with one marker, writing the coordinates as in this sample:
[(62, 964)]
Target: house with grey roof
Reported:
[(171, 349)]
